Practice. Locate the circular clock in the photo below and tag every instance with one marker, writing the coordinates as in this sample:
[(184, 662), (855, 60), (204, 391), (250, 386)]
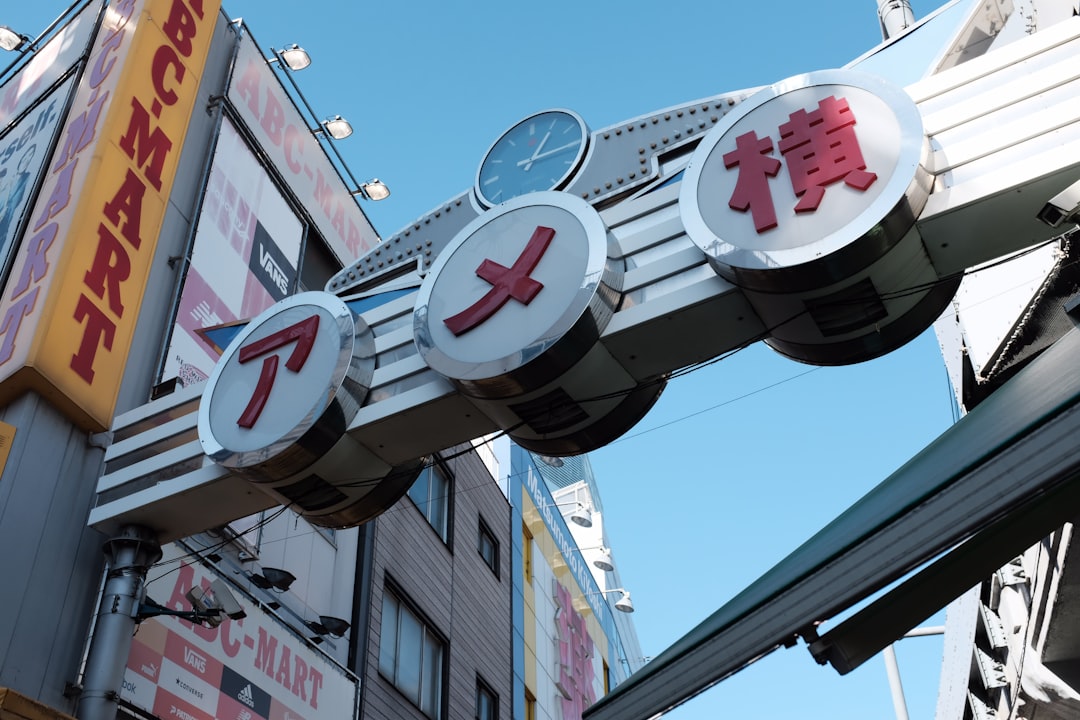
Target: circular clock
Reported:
[(542, 152)]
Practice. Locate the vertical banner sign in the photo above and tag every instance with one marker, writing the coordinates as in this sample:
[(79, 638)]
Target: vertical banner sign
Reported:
[(68, 311), (289, 143)]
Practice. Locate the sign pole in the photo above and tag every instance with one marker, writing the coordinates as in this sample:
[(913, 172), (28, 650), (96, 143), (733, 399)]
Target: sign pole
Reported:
[(130, 555)]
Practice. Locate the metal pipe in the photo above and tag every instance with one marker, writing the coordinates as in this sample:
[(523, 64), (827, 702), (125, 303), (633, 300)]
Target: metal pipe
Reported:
[(90, 631), (897, 688), (130, 555), (895, 16)]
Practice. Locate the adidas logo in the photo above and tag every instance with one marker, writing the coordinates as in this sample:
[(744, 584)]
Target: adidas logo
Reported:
[(246, 697)]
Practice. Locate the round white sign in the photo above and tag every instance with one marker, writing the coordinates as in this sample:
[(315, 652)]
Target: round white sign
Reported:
[(823, 172), (287, 386), (512, 285)]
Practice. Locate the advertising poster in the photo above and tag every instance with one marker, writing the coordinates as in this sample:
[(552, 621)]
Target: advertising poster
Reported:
[(47, 65), (245, 256), (23, 150), (254, 668)]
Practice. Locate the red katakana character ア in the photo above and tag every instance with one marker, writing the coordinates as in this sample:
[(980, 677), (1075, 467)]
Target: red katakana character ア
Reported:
[(821, 148), (752, 186)]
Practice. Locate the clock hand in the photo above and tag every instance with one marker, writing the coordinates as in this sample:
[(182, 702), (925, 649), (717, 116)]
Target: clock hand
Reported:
[(536, 153), (553, 151)]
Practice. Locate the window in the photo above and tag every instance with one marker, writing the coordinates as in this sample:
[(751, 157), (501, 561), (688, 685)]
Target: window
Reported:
[(527, 554), (431, 493), (411, 656), (487, 702), (530, 705), (488, 547)]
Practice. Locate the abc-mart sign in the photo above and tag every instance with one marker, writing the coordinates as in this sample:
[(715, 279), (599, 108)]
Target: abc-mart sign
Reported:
[(253, 667)]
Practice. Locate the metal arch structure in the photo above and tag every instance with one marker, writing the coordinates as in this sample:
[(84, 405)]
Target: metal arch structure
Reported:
[(999, 137)]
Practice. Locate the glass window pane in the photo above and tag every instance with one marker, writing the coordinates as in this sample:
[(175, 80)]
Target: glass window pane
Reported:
[(485, 705), (433, 653), (439, 500), (419, 490), (410, 640), (388, 636)]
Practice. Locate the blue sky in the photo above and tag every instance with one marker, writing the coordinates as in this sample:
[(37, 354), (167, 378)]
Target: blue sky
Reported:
[(740, 462)]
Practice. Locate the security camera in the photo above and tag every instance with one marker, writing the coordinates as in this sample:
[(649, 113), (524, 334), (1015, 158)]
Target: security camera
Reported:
[(215, 601), (1063, 207)]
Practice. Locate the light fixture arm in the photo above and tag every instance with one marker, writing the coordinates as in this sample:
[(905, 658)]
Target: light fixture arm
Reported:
[(149, 608)]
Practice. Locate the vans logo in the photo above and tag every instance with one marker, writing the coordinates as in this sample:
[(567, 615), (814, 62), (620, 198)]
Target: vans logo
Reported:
[(267, 263), (194, 659)]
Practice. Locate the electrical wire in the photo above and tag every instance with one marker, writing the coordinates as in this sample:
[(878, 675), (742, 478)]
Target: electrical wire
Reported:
[(210, 549)]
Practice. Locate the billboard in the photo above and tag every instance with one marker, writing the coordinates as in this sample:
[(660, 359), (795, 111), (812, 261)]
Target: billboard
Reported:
[(23, 151), (244, 259), (254, 668), (48, 64), (295, 152), (68, 312)]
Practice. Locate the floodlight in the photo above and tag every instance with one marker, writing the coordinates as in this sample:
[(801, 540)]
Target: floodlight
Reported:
[(295, 57), (337, 127), (11, 40)]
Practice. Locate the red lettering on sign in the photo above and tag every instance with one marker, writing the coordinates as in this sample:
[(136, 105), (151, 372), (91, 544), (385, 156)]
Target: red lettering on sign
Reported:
[(148, 149), (264, 655), (752, 186), (166, 58), (100, 331), (303, 333), (180, 27), (506, 282), (820, 148), (284, 670), (127, 202), (110, 267), (290, 671)]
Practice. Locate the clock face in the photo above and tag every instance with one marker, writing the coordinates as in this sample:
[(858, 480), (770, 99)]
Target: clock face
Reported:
[(541, 152)]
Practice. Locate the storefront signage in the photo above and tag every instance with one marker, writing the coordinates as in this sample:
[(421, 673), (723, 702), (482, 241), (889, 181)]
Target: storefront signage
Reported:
[(250, 669), (287, 387), (287, 140), (86, 255), (804, 170), (511, 285)]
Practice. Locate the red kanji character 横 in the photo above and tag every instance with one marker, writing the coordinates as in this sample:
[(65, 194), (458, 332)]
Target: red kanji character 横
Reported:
[(821, 148), (752, 186)]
